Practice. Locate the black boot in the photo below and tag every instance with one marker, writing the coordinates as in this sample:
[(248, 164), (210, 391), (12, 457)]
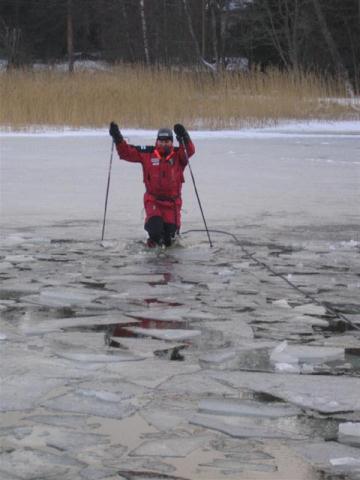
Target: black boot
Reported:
[(155, 228), (169, 233)]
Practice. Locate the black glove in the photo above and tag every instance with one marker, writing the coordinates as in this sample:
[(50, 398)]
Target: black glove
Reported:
[(115, 133), (181, 133)]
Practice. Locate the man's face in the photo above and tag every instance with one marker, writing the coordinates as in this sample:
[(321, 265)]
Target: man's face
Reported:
[(164, 143)]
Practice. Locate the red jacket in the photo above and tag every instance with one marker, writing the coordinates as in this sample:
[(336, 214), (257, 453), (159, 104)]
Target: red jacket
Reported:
[(163, 177)]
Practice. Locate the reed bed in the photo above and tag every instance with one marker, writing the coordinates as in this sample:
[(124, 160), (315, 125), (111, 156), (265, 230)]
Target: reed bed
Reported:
[(141, 97)]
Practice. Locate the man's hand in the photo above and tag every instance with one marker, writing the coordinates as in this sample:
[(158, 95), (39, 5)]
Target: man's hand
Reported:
[(115, 133), (181, 133)]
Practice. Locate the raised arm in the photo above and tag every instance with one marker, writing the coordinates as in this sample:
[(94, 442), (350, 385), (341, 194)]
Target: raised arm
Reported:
[(126, 152), (185, 142)]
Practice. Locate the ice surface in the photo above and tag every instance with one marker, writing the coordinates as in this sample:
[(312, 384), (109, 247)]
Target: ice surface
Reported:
[(306, 230), (349, 433)]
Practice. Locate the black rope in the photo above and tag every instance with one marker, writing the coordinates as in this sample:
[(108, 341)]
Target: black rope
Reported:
[(280, 275)]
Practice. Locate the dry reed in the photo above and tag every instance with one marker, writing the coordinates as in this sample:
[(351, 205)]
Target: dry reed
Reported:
[(151, 97)]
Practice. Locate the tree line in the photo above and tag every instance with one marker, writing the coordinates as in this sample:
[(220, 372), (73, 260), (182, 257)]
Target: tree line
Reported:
[(316, 35)]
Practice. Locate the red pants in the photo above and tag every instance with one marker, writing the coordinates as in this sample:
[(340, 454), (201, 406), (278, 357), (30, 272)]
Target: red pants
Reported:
[(168, 210)]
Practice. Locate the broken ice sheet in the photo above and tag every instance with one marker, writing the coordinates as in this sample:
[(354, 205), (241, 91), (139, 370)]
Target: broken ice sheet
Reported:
[(64, 297), (23, 392), (29, 464), (170, 446), (232, 465), (240, 427), (294, 354), (144, 346), (19, 258), (101, 454), (331, 457), (152, 373), (310, 309), (129, 278), (66, 421), (197, 383), (32, 326), (98, 473), (145, 468), (172, 314), (323, 393), (245, 408), (309, 320), (109, 357), (225, 356), (17, 433), (164, 419), (233, 329), (165, 334), (247, 356), (66, 440), (349, 433), (282, 303), (96, 403)]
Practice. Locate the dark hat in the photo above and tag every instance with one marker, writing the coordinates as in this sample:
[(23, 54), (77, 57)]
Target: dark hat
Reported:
[(165, 134)]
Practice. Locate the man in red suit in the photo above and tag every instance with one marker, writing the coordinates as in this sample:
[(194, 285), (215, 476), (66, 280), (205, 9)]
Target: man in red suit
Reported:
[(163, 174)]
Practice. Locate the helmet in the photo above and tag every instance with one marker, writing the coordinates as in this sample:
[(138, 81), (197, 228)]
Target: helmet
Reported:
[(165, 134)]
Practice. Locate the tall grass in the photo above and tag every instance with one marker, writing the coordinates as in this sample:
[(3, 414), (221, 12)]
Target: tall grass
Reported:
[(151, 97)]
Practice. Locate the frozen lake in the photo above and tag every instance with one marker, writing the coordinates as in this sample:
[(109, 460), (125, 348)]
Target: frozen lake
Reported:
[(192, 363)]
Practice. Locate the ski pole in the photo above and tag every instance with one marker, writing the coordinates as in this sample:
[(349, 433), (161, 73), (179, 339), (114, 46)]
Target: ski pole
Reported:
[(107, 189), (196, 191)]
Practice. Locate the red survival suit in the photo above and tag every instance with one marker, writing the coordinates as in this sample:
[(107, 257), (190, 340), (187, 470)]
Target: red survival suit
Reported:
[(163, 178)]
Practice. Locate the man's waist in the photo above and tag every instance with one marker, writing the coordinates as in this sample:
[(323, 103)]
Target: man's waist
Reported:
[(164, 198)]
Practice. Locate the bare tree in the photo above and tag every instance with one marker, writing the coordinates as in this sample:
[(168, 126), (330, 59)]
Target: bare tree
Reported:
[(213, 10), (191, 30), (10, 38), (144, 32), (290, 15), (127, 33), (70, 35), (333, 49)]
